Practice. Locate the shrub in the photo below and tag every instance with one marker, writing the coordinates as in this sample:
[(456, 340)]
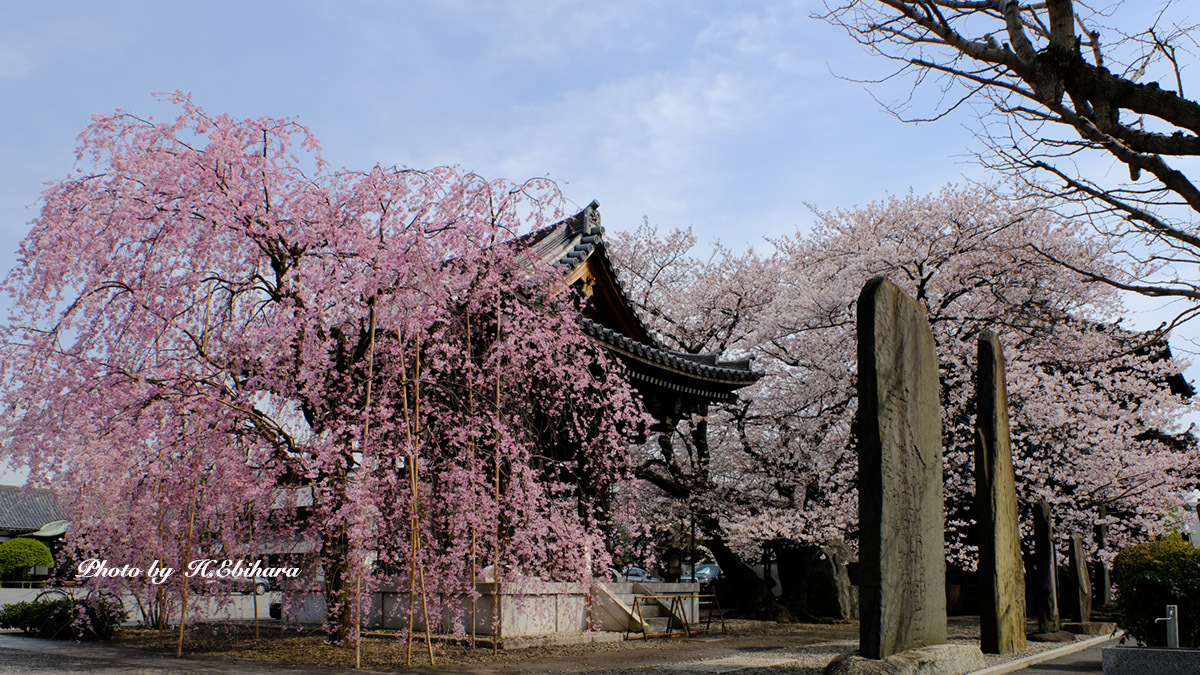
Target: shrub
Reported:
[(1151, 576), (17, 555), (65, 618)]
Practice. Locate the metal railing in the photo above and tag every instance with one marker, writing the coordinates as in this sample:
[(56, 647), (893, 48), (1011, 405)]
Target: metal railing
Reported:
[(677, 616)]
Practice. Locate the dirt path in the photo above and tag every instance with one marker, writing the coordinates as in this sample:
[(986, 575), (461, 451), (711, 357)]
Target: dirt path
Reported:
[(750, 648), (764, 645), (722, 653)]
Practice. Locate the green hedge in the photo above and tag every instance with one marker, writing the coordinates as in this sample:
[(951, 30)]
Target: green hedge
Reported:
[(65, 618), (1151, 576), (18, 555)]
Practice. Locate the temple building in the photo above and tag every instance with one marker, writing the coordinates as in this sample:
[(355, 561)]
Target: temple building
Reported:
[(672, 383)]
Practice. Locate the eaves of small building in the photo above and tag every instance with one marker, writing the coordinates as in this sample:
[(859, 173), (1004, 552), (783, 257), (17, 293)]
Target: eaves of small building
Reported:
[(27, 512)]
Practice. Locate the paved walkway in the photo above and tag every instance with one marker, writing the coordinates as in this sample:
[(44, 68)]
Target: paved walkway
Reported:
[(1089, 660), (19, 654)]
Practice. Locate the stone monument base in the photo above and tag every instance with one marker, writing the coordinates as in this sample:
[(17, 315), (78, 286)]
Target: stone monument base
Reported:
[(1090, 628), (932, 660), (1056, 636)]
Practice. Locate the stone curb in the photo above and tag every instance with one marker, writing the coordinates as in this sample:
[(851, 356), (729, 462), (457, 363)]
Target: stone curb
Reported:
[(1042, 657)]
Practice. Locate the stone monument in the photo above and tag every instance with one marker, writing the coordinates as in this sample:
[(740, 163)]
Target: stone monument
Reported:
[(1001, 574), (1045, 569), (1081, 594), (1103, 576), (902, 560)]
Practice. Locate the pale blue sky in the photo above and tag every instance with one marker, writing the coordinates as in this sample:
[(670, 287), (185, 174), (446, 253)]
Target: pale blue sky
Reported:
[(717, 115), (723, 116)]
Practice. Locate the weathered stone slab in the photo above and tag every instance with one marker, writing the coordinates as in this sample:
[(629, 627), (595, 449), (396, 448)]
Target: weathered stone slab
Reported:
[(1102, 580), (902, 562), (1081, 605), (1149, 661), (1001, 573), (1045, 569), (932, 660)]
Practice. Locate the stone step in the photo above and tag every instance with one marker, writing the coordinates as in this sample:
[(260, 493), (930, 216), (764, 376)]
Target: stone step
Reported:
[(652, 610), (658, 625)]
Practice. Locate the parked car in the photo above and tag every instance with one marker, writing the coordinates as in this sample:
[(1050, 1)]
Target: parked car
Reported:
[(639, 575), (257, 585), (705, 574)]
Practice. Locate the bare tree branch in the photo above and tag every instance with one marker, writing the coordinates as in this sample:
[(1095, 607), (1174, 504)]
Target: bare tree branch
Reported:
[(1038, 84)]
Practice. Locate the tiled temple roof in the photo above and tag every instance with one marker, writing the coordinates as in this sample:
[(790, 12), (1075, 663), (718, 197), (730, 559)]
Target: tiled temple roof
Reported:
[(571, 242), (22, 511), (580, 239), (700, 365)]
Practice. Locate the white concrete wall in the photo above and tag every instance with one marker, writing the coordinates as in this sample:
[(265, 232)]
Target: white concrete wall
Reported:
[(200, 607), (527, 607), (9, 596)]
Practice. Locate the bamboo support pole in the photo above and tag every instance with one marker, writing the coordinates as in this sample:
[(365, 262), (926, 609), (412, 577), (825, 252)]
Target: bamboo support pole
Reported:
[(255, 588), (416, 474), (186, 558), (362, 462), (471, 418), (425, 610), (412, 593), (412, 537), (496, 630), (474, 600), (413, 430)]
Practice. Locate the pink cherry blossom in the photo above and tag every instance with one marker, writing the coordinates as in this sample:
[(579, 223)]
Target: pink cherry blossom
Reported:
[(208, 321)]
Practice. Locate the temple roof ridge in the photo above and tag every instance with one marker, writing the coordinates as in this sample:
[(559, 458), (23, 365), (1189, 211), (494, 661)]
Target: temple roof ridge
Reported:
[(576, 245), (573, 241)]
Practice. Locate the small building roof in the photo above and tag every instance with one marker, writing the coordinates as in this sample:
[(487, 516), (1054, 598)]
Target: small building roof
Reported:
[(24, 510)]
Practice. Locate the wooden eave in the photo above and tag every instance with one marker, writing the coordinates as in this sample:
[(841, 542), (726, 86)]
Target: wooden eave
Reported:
[(610, 317), (607, 304), (700, 376)]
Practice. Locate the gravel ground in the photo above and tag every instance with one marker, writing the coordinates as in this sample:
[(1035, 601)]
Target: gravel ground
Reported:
[(747, 647), (291, 647)]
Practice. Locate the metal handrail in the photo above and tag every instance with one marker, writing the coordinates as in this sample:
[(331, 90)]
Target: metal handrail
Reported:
[(676, 612)]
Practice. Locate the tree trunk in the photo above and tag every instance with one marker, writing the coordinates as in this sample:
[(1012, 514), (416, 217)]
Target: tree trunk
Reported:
[(339, 592), (794, 564), (815, 581), (745, 591)]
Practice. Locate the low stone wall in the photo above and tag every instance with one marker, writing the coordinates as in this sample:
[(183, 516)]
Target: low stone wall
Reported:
[(524, 607), (10, 596)]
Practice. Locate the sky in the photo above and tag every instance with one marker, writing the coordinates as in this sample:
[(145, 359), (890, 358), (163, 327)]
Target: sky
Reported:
[(726, 117)]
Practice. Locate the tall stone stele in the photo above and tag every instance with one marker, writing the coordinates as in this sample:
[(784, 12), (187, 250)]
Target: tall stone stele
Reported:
[(902, 558), (1103, 580), (1045, 569), (1001, 574), (1081, 595)]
